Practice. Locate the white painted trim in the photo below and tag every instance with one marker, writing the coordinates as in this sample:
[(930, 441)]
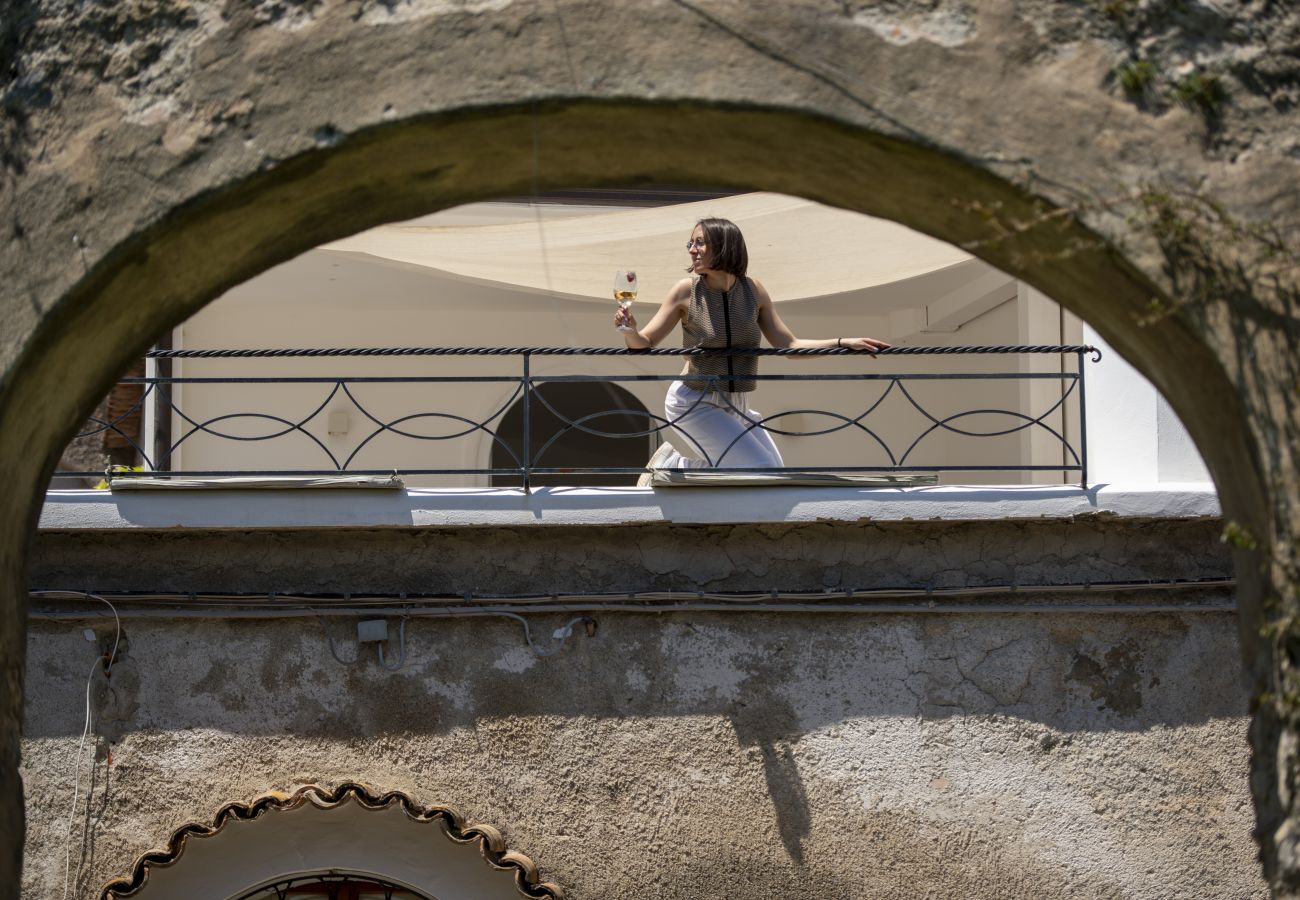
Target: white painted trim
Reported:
[(1133, 433), (468, 507)]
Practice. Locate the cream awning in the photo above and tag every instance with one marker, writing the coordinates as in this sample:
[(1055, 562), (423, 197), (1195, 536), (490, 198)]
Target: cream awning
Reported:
[(799, 249)]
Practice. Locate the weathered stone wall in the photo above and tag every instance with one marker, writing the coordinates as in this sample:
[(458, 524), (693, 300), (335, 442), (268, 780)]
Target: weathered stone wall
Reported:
[(156, 153), (1053, 752), (694, 755)]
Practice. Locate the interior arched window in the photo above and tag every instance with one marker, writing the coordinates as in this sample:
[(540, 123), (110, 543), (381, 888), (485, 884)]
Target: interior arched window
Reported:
[(575, 424)]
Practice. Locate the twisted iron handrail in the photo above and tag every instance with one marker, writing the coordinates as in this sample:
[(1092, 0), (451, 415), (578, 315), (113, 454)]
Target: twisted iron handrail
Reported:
[(266, 353)]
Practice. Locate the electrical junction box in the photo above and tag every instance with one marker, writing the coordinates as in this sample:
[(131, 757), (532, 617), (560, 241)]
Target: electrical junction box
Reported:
[(372, 630)]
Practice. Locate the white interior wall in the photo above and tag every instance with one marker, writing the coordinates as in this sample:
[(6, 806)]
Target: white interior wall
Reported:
[(1133, 434)]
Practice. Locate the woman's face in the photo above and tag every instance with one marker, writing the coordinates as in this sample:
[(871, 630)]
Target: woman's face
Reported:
[(699, 251)]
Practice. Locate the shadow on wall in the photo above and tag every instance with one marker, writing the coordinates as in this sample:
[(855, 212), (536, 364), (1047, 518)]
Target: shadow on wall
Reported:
[(764, 721), (776, 679)]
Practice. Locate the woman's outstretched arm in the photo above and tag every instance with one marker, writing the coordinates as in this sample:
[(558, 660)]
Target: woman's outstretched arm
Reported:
[(779, 335), (661, 325)]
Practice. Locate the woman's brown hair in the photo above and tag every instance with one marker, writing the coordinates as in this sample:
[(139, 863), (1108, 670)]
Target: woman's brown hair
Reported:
[(726, 245)]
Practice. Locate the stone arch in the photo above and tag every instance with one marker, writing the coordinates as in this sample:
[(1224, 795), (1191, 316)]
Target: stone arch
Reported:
[(237, 142), (169, 269), (352, 828)]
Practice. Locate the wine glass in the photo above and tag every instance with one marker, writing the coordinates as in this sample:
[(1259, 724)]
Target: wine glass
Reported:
[(625, 293)]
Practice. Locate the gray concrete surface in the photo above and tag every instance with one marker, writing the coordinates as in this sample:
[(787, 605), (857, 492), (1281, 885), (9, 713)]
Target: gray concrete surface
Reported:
[(571, 559)]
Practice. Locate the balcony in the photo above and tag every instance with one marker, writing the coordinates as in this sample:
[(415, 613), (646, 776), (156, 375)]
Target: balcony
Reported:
[(549, 409)]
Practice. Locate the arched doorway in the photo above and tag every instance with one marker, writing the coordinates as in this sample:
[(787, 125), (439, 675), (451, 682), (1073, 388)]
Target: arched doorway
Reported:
[(574, 425)]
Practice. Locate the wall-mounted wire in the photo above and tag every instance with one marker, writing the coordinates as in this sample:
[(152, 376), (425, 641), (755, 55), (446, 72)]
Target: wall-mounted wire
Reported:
[(334, 652), (401, 648), (107, 664), (842, 599), (559, 637), (383, 661)]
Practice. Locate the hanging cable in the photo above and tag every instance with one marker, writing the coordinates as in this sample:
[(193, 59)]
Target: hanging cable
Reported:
[(560, 636), (401, 648), (329, 638), (76, 760)]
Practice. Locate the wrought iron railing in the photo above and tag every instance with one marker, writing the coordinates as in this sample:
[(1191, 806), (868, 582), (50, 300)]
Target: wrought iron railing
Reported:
[(530, 458)]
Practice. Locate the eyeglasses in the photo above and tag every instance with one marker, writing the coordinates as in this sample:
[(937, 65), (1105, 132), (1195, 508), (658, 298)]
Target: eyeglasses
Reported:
[(695, 242)]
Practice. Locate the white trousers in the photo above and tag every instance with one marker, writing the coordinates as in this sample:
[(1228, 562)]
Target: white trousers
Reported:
[(716, 429)]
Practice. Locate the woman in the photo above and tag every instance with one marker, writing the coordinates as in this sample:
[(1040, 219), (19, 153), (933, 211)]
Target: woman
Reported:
[(720, 306)]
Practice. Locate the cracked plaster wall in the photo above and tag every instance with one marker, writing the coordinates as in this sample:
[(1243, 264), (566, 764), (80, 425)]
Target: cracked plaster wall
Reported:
[(693, 754), (696, 755)]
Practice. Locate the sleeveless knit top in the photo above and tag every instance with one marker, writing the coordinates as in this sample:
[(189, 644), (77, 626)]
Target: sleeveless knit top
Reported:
[(722, 319)]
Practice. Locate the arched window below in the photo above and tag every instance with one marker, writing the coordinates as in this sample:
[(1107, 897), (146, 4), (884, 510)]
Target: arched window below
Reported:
[(345, 843)]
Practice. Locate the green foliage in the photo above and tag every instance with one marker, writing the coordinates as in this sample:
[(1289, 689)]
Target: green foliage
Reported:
[(1121, 12), (1239, 536), (1137, 77), (1210, 256), (1201, 92), (1153, 33)]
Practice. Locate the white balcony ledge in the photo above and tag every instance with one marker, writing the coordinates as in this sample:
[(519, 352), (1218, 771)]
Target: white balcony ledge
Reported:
[(505, 507)]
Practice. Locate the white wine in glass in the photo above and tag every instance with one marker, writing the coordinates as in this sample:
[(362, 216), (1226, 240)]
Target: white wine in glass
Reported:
[(625, 293)]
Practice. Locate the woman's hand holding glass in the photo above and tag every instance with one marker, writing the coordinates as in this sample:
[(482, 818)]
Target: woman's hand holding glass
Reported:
[(625, 287), (624, 321)]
